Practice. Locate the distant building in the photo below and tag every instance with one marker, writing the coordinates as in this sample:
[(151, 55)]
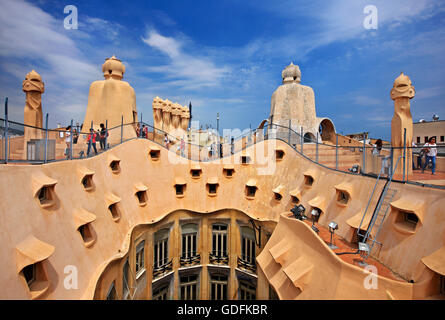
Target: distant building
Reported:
[(423, 130)]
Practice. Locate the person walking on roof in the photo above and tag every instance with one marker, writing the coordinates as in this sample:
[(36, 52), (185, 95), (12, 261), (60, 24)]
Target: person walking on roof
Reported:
[(431, 152), (91, 140)]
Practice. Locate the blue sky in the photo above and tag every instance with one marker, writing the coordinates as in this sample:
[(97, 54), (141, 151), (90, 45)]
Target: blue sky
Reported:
[(227, 56)]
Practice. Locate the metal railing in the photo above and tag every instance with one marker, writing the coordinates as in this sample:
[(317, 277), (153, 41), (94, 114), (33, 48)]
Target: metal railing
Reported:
[(192, 260), (221, 258), (163, 269), (246, 264), (22, 143)]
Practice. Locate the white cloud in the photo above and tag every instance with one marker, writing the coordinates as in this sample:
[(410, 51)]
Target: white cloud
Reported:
[(319, 23), (189, 71), (31, 34)]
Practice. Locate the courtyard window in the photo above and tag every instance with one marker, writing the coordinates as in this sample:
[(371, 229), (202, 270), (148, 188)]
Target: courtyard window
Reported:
[(125, 280), (189, 287), (219, 244), (111, 295), (218, 287), (247, 290), (189, 241), (161, 248), (140, 258), (161, 292), (247, 249)]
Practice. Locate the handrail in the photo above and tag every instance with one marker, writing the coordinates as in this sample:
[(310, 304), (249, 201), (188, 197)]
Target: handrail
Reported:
[(369, 201), (377, 209), (263, 134)]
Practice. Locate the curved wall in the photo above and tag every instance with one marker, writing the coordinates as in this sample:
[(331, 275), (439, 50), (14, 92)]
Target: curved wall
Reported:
[(22, 215)]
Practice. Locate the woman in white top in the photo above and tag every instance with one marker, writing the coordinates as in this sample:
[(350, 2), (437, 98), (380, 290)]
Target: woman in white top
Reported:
[(431, 152), (68, 140)]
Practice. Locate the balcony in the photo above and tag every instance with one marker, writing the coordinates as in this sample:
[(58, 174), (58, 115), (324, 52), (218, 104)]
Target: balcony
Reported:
[(221, 258), (193, 260), (245, 264), (163, 268)]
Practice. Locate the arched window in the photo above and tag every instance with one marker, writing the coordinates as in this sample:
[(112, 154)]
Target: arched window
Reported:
[(189, 240), (248, 245), (219, 252), (161, 248)]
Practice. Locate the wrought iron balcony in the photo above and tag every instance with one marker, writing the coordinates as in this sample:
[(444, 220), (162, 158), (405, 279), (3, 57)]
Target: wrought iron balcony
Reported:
[(162, 269), (194, 259), (219, 258), (245, 264)]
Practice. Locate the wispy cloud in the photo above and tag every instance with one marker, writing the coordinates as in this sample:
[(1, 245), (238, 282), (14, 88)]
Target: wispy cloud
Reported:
[(184, 70)]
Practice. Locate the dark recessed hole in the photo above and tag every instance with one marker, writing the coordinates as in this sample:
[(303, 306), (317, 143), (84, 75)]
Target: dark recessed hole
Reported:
[(279, 154), (45, 196), (411, 218), (180, 189), (155, 154), (245, 159), (36, 279), (308, 180), (278, 196), (29, 272), (228, 172), (87, 182), (142, 197), (343, 197), (295, 200), (212, 188), (196, 173), (115, 166), (250, 191), (86, 233), (115, 211), (407, 220)]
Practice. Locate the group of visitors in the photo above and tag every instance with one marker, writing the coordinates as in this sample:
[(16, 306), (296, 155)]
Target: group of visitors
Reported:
[(142, 132), (101, 135), (429, 151)]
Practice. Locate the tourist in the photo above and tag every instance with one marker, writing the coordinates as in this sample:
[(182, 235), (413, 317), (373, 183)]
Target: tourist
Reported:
[(413, 145), (182, 147), (377, 147), (91, 140), (144, 131), (138, 130), (166, 141), (431, 152), (209, 151), (103, 134), (75, 136), (68, 141), (420, 157)]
